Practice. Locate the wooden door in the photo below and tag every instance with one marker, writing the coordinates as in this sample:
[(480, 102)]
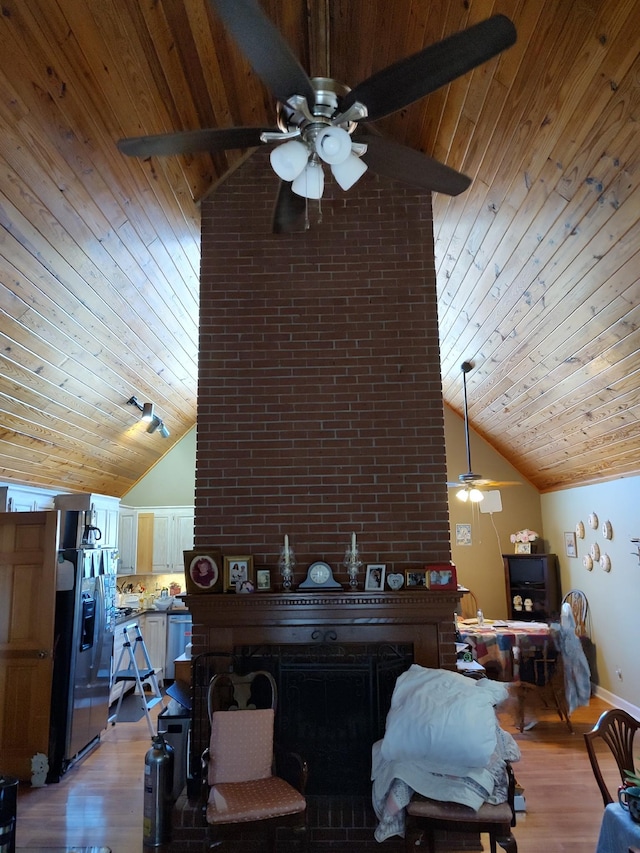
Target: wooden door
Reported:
[(28, 543)]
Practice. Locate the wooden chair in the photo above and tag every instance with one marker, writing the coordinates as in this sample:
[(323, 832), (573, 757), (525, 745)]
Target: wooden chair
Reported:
[(617, 729), (244, 786), (426, 817), (468, 605), (577, 600)]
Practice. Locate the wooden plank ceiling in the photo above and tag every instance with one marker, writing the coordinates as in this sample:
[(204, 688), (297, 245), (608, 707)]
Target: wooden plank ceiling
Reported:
[(537, 262)]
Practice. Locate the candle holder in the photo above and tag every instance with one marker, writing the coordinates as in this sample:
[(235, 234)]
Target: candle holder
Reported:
[(352, 563), (287, 563)]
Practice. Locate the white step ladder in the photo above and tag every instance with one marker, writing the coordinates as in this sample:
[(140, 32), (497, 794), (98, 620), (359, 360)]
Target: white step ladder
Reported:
[(136, 673)]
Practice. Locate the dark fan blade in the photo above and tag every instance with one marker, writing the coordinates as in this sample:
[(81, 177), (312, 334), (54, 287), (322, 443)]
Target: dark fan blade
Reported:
[(405, 164), (412, 78), (190, 141), (268, 53), (289, 210)]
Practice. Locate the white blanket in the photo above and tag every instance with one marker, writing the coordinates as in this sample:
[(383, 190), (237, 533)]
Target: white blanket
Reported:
[(443, 741)]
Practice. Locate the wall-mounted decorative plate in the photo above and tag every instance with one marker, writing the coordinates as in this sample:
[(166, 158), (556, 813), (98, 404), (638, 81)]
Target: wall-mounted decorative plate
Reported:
[(580, 530), (607, 530), (595, 551), (587, 562), (605, 563), (593, 521)]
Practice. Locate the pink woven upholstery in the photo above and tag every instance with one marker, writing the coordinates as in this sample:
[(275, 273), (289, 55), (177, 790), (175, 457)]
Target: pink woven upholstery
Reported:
[(257, 800), (241, 746)]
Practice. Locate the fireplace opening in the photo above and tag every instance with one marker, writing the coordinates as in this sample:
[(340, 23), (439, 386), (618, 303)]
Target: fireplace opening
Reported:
[(333, 700)]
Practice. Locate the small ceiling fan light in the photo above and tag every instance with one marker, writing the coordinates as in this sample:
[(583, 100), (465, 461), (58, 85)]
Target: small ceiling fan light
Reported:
[(288, 160), (475, 496), (147, 412), (462, 495), (333, 145), (310, 182), (347, 173)]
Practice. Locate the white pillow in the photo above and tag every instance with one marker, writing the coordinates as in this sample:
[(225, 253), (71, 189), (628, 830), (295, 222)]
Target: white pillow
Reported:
[(442, 716)]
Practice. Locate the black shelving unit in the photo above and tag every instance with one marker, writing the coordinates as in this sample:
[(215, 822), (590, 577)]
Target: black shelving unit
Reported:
[(535, 579)]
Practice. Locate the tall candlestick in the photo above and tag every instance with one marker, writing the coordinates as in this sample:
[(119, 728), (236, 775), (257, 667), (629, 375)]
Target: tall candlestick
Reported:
[(286, 544), (353, 543)]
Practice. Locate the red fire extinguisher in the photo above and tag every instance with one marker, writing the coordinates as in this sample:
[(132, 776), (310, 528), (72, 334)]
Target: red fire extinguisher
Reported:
[(158, 784)]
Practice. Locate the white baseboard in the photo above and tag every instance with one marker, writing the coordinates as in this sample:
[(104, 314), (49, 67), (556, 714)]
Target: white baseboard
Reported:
[(616, 701)]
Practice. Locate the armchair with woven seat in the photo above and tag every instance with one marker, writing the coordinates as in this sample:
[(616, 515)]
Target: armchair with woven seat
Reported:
[(617, 729), (244, 784), (426, 817)]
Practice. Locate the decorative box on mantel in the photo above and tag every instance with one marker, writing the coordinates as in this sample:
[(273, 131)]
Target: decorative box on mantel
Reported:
[(423, 618)]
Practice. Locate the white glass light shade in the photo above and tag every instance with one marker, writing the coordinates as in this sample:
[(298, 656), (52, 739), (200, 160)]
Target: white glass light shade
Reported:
[(333, 145), (462, 495), (310, 182), (348, 172), (288, 160), (475, 496)]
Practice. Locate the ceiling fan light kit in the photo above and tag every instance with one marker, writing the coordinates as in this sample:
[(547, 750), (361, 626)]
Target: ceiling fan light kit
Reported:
[(318, 118)]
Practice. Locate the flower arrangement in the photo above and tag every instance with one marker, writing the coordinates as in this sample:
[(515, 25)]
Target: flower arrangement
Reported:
[(525, 535)]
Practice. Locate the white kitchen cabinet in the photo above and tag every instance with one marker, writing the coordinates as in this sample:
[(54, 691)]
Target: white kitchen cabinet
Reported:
[(127, 540), (106, 513), (15, 498), (172, 534), (153, 627)]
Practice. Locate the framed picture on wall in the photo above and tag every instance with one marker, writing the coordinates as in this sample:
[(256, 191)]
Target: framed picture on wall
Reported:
[(570, 545), (203, 571), (238, 571)]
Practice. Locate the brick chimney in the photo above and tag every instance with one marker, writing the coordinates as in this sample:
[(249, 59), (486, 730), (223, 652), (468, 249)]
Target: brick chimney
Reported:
[(320, 404)]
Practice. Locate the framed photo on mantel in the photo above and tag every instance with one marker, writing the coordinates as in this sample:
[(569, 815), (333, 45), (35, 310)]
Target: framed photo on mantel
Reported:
[(441, 576), (203, 571)]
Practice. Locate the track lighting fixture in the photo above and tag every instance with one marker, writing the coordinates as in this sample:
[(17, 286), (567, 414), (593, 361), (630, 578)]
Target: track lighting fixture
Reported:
[(148, 416)]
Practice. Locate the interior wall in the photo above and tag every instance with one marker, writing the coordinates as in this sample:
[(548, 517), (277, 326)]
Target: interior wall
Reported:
[(320, 402), (479, 563), (614, 596), (171, 481)]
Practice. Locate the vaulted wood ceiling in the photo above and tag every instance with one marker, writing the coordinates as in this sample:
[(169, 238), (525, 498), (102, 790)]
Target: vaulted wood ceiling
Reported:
[(537, 263)]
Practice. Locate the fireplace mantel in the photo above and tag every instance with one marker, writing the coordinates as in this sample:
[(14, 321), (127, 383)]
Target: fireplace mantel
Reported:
[(424, 618)]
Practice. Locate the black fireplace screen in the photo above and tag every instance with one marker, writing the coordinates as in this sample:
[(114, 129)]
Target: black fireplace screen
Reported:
[(333, 700)]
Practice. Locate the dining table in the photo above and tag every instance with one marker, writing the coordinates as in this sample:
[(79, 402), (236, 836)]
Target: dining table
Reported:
[(618, 832), (508, 650)]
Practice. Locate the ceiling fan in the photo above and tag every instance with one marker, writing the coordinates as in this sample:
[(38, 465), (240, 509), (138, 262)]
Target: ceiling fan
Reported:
[(470, 485), (318, 119)]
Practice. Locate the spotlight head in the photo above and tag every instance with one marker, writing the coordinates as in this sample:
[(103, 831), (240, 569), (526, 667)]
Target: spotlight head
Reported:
[(147, 412), (164, 432), (155, 423)]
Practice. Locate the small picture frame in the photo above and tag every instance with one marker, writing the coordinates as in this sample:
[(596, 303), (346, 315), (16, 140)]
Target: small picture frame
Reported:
[(238, 571), (415, 578), (523, 547), (570, 544), (263, 580), (202, 571), (441, 576), (374, 579)]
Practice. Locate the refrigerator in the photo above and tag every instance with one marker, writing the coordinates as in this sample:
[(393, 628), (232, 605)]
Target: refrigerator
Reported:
[(83, 646)]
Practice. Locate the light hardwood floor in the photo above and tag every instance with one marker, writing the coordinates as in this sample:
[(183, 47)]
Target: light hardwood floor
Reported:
[(99, 801)]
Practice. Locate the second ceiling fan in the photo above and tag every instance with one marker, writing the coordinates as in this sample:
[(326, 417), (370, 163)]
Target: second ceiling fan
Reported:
[(319, 119), (470, 485)]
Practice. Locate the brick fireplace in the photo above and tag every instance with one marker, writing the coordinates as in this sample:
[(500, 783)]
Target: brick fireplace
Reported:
[(320, 413)]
